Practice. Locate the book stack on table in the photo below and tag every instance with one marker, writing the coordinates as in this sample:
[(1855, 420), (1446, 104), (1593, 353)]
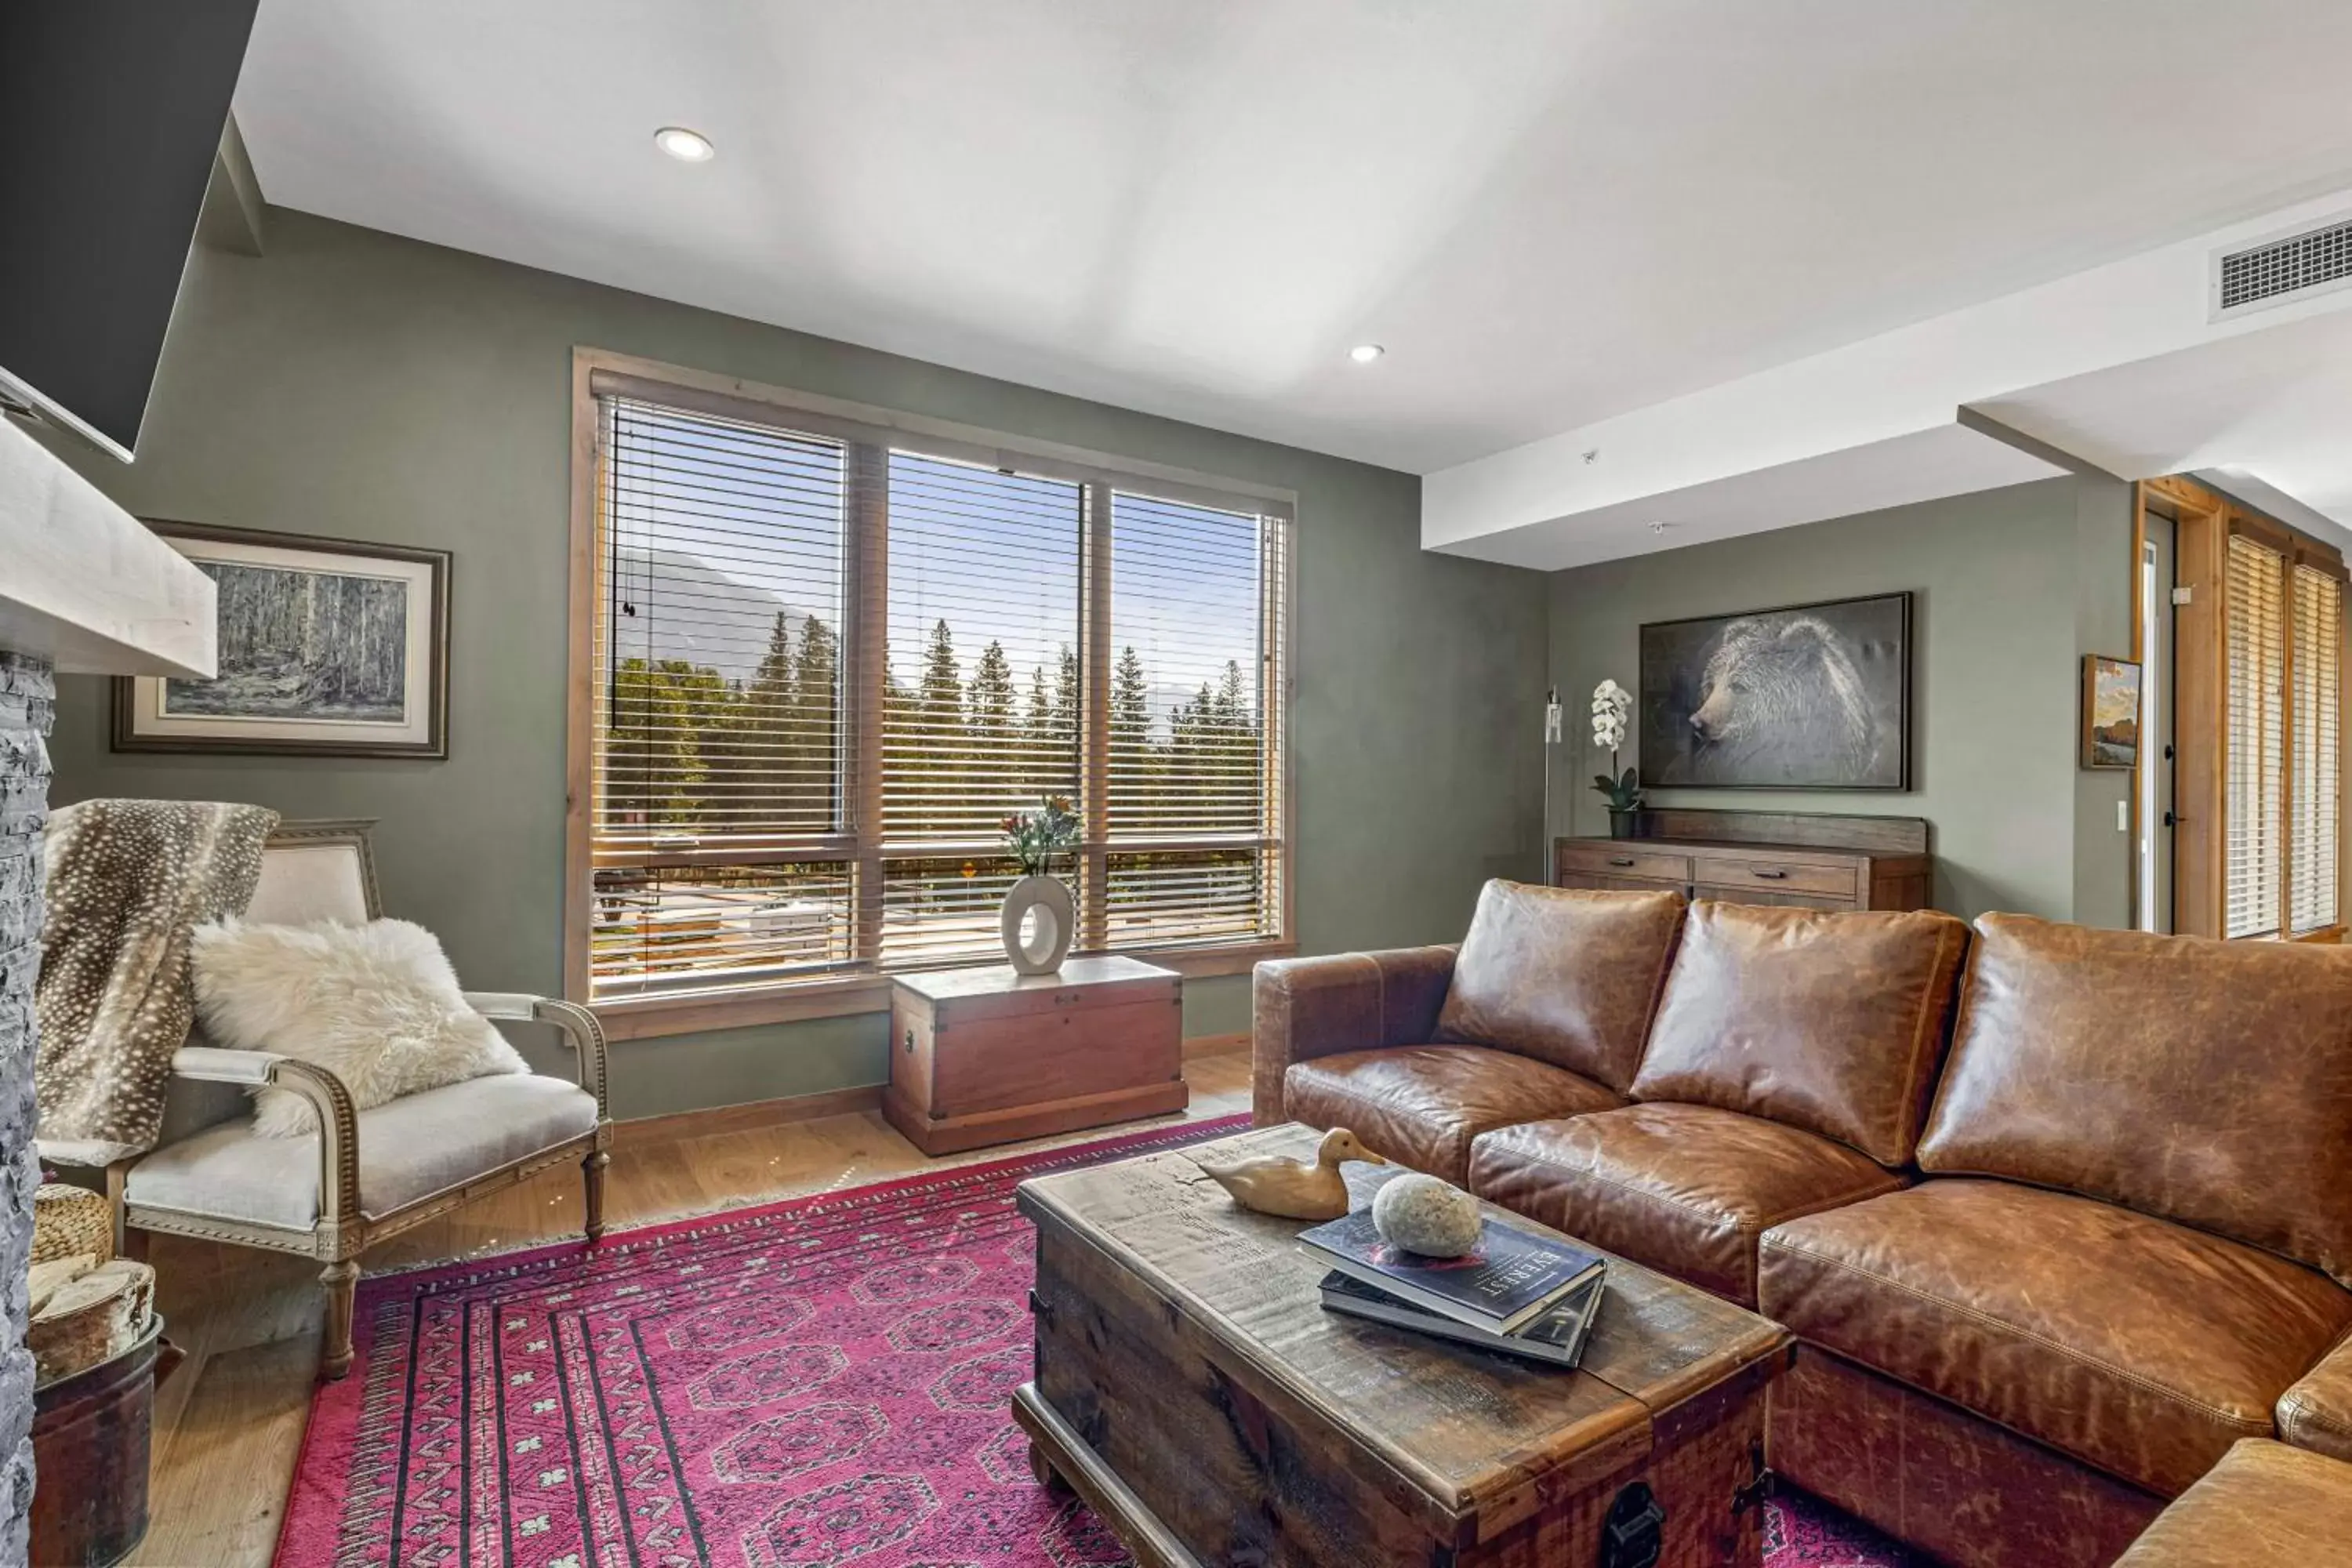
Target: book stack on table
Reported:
[(1525, 1295)]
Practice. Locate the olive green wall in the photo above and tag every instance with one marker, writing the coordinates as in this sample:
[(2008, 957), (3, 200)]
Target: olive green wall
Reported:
[(2010, 587), (358, 386)]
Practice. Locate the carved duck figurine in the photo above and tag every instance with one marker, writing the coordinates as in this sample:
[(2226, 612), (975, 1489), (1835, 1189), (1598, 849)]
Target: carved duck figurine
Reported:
[(1277, 1184)]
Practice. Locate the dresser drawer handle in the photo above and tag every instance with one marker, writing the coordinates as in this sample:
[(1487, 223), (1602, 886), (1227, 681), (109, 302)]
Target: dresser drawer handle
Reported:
[(1621, 859), (1773, 876)]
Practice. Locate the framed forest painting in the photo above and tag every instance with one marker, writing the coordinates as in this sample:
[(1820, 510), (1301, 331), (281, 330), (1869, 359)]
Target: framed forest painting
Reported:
[(327, 647)]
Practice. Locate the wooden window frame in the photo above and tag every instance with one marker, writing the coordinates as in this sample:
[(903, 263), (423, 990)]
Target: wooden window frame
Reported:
[(2204, 521), (871, 431)]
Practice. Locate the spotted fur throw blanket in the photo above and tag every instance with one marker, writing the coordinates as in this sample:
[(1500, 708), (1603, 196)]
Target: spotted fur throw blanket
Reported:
[(128, 879)]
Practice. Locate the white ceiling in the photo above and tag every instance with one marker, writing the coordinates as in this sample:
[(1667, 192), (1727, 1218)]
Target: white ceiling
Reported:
[(1549, 212), (2276, 404)]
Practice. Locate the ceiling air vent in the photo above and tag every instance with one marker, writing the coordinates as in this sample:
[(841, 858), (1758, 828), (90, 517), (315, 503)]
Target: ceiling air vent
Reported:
[(2282, 269)]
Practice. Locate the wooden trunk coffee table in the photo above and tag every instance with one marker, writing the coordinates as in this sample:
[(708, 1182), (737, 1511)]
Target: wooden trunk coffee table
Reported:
[(1190, 1387)]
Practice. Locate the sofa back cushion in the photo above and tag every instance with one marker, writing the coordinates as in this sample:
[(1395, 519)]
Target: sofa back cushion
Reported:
[(2202, 1081), (1565, 976), (1833, 1022)]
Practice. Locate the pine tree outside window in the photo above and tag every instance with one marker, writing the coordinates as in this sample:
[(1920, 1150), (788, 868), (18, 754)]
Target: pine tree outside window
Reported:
[(826, 649)]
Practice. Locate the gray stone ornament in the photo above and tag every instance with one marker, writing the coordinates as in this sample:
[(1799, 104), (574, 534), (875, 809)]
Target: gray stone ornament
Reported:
[(1424, 1215)]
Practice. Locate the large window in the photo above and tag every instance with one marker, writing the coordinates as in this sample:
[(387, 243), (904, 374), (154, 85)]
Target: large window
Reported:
[(827, 650)]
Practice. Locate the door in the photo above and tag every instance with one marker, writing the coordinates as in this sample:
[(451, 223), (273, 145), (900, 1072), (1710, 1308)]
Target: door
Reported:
[(2153, 782)]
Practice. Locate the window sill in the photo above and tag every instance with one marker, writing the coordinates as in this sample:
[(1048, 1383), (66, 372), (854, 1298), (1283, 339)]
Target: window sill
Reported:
[(651, 1018)]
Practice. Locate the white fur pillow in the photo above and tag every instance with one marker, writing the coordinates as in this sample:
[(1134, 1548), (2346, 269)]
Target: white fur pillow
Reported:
[(376, 1004)]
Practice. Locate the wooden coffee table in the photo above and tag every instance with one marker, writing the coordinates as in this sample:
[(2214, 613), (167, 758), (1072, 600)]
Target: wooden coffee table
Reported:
[(1191, 1389)]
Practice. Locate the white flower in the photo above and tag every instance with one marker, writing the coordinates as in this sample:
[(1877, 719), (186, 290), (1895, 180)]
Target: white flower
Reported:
[(1613, 705)]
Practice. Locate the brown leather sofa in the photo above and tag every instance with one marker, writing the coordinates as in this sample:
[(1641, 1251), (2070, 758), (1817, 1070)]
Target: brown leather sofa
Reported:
[(2042, 1284), (2263, 1504)]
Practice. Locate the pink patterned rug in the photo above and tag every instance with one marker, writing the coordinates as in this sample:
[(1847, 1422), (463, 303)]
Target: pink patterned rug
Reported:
[(814, 1381)]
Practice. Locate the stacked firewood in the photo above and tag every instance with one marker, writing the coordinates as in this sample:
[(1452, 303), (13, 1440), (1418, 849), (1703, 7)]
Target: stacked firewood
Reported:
[(85, 1311), (87, 1305)]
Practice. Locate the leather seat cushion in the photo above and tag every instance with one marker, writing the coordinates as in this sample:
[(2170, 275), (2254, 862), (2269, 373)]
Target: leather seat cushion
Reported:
[(2264, 1502), (2316, 1412), (1564, 975), (412, 1148), (1685, 1189), (1423, 1105), (2135, 1345)]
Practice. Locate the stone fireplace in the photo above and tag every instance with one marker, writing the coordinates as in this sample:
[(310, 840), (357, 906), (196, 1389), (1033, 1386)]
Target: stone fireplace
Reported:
[(85, 587)]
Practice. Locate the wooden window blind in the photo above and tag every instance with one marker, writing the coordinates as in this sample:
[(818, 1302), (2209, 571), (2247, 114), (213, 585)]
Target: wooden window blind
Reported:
[(718, 841), (2258, 696), (2255, 837), (980, 711), (2315, 796), (829, 656), (1193, 852)]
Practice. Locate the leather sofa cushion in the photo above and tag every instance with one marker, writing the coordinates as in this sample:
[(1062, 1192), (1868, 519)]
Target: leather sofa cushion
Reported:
[(1685, 1189), (1421, 1105), (2316, 1412), (2264, 1502), (1832, 1022), (1565, 976), (2135, 1345), (2209, 1082)]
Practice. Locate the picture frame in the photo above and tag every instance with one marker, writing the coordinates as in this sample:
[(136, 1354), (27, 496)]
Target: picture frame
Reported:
[(2113, 713), (329, 647), (1810, 697)]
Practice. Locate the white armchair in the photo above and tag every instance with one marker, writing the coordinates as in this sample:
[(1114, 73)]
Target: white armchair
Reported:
[(368, 1175)]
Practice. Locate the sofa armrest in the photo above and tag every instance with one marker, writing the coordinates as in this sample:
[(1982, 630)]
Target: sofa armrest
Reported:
[(579, 1026), (339, 1119), (1302, 1009), (2316, 1412)]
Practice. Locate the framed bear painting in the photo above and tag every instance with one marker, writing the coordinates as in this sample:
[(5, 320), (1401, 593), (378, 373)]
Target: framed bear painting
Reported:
[(1810, 697)]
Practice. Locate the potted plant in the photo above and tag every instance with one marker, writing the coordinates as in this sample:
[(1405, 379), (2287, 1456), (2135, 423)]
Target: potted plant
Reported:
[(1612, 708), (1039, 916)]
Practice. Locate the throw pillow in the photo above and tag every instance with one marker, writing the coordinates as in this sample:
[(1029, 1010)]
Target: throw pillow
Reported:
[(376, 1004)]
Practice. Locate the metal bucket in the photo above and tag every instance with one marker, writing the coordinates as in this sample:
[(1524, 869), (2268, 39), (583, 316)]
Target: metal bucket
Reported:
[(89, 1456)]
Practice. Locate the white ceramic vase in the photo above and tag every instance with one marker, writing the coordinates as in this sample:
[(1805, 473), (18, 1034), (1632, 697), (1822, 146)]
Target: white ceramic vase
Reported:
[(1047, 941)]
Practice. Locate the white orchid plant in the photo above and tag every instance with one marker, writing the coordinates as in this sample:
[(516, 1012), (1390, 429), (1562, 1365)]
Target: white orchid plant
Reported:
[(1612, 710)]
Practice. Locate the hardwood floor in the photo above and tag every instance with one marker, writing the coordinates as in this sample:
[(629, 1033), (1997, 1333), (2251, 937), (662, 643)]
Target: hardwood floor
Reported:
[(229, 1422)]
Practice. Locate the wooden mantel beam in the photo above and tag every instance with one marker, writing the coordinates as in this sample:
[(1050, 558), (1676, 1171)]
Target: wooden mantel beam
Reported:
[(84, 584)]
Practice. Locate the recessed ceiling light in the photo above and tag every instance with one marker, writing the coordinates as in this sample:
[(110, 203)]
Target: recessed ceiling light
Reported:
[(1365, 353), (686, 146)]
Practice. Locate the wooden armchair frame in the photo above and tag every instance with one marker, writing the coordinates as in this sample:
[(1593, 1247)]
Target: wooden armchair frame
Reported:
[(341, 1232)]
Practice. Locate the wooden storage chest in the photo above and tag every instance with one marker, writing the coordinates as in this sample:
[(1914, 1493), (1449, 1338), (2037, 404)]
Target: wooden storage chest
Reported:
[(990, 1055)]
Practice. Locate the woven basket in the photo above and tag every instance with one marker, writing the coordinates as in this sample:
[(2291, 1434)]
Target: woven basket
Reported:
[(69, 1220)]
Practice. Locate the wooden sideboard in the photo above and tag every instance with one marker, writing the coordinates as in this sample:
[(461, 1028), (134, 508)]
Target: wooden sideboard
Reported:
[(1812, 861)]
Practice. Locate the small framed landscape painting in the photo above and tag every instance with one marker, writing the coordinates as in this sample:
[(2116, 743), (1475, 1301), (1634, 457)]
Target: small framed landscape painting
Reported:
[(1808, 697), (327, 648), (2111, 716)]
